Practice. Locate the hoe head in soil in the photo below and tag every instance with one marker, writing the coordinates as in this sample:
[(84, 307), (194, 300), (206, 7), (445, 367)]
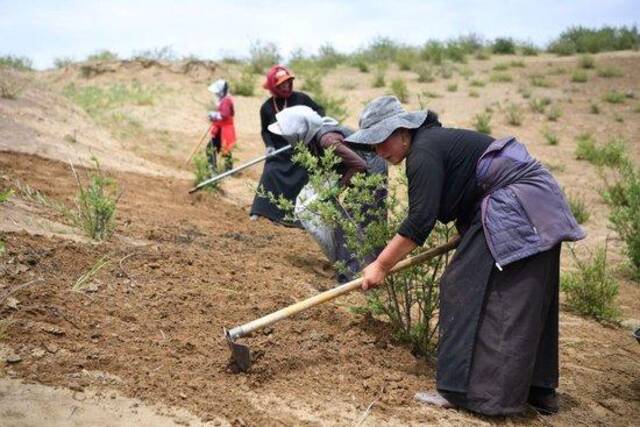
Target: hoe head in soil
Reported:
[(240, 354)]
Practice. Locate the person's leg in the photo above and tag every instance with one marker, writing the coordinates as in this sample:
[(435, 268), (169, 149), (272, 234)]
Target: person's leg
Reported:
[(228, 162)]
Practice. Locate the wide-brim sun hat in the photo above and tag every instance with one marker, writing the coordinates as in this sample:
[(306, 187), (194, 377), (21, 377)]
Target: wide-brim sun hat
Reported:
[(381, 117)]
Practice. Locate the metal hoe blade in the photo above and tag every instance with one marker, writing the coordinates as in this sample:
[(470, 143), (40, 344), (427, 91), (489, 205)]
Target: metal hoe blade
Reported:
[(240, 354)]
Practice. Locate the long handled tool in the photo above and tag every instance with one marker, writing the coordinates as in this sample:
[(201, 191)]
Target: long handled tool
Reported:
[(241, 354), (239, 168), (198, 146)]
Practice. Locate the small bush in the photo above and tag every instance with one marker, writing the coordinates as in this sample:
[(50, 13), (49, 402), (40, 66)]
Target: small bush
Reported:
[(164, 53), (611, 154), (500, 78), (406, 58), (452, 87), (483, 55), (9, 88), (525, 92), (591, 290), (550, 136), (538, 105), (446, 71), (624, 199), (425, 73), (399, 89), (477, 83), (202, 170), (361, 64), (474, 94), (587, 62), (434, 52), (578, 208), (246, 85), (62, 62), (594, 108), (516, 64), (609, 72), (504, 46), (514, 115), (263, 55), (553, 113), (379, 76), (501, 66), (529, 49), (587, 40), (540, 81), (20, 63), (102, 55), (579, 76), (96, 204), (614, 97), (482, 122), (97, 100), (430, 94)]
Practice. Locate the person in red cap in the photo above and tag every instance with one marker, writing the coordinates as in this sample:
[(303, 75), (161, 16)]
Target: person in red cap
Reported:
[(280, 175)]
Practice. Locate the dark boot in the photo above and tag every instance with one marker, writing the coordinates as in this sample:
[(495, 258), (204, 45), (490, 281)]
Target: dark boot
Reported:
[(544, 400)]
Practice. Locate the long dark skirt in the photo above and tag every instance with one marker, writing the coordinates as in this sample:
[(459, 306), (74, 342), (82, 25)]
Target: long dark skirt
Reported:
[(280, 176), (513, 343)]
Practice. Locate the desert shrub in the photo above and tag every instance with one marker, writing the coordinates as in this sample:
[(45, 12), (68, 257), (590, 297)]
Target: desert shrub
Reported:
[(525, 92), (96, 203), (529, 49), (20, 63), (429, 94), (611, 154), (164, 53), (328, 57), (245, 85), (424, 72), (538, 80), (102, 55), (550, 136), (539, 105), (614, 97), (474, 94), (62, 62), (609, 72), (361, 64), (263, 55), (409, 299), (500, 77), (586, 40), (455, 52), (399, 89), (202, 170), (483, 55), (379, 76), (591, 290), (504, 46), (624, 199), (452, 87), (579, 76), (406, 58), (433, 51), (578, 208), (501, 66), (477, 83), (553, 113), (10, 88), (482, 122), (516, 64), (97, 100), (587, 62), (465, 72), (594, 108), (514, 114), (446, 71)]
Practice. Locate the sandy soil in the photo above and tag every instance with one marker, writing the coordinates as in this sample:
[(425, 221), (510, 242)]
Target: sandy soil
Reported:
[(180, 267)]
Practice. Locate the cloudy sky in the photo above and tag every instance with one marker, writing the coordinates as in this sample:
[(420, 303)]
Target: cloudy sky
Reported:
[(44, 30)]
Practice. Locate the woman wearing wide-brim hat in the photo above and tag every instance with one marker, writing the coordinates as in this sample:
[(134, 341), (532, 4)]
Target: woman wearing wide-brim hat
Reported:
[(498, 347)]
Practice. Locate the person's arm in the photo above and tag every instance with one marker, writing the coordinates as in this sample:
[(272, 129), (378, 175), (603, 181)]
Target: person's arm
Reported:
[(398, 248), (353, 163)]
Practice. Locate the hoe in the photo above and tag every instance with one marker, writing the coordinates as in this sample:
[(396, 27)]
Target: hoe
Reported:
[(241, 355)]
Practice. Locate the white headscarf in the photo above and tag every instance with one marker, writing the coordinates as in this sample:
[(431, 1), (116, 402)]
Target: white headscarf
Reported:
[(299, 123), (219, 88)]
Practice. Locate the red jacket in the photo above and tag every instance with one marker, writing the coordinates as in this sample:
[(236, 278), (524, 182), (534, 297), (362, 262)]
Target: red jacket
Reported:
[(225, 125)]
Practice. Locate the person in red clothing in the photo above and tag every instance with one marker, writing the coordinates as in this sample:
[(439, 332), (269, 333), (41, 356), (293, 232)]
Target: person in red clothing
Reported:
[(223, 131)]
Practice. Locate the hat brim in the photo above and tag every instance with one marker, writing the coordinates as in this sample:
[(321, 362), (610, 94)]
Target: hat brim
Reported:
[(381, 131), (275, 128), (284, 79)]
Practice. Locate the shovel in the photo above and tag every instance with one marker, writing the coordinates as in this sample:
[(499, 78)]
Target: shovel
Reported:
[(239, 168), (241, 355)]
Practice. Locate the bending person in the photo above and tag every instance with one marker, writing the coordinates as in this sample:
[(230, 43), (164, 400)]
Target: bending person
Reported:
[(280, 176), (223, 131), (300, 124), (498, 345)]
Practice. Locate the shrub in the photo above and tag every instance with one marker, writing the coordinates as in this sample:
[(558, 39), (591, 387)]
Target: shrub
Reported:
[(263, 55), (529, 49), (609, 72), (592, 289), (10, 88), (539, 105), (378, 76), (164, 53), (96, 204), (434, 52), (586, 40), (482, 122), (452, 87), (500, 78), (361, 64), (483, 55), (202, 170), (514, 115), (97, 100), (550, 136), (594, 108), (20, 63), (578, 208), (425, 73), (611, 154), (245, 85), (525, 92), (103, 55), (62, 62), (406, 58), (516, 64), (504, 46), (579, 76), (614, 97), (399, 89), (477, 83), (553, 113), (474, 93), (587, 62), (540, 81), (446, 71), (501, 66)]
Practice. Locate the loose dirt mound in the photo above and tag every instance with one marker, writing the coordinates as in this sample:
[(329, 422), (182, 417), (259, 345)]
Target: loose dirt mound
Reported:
[(149, 324)]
